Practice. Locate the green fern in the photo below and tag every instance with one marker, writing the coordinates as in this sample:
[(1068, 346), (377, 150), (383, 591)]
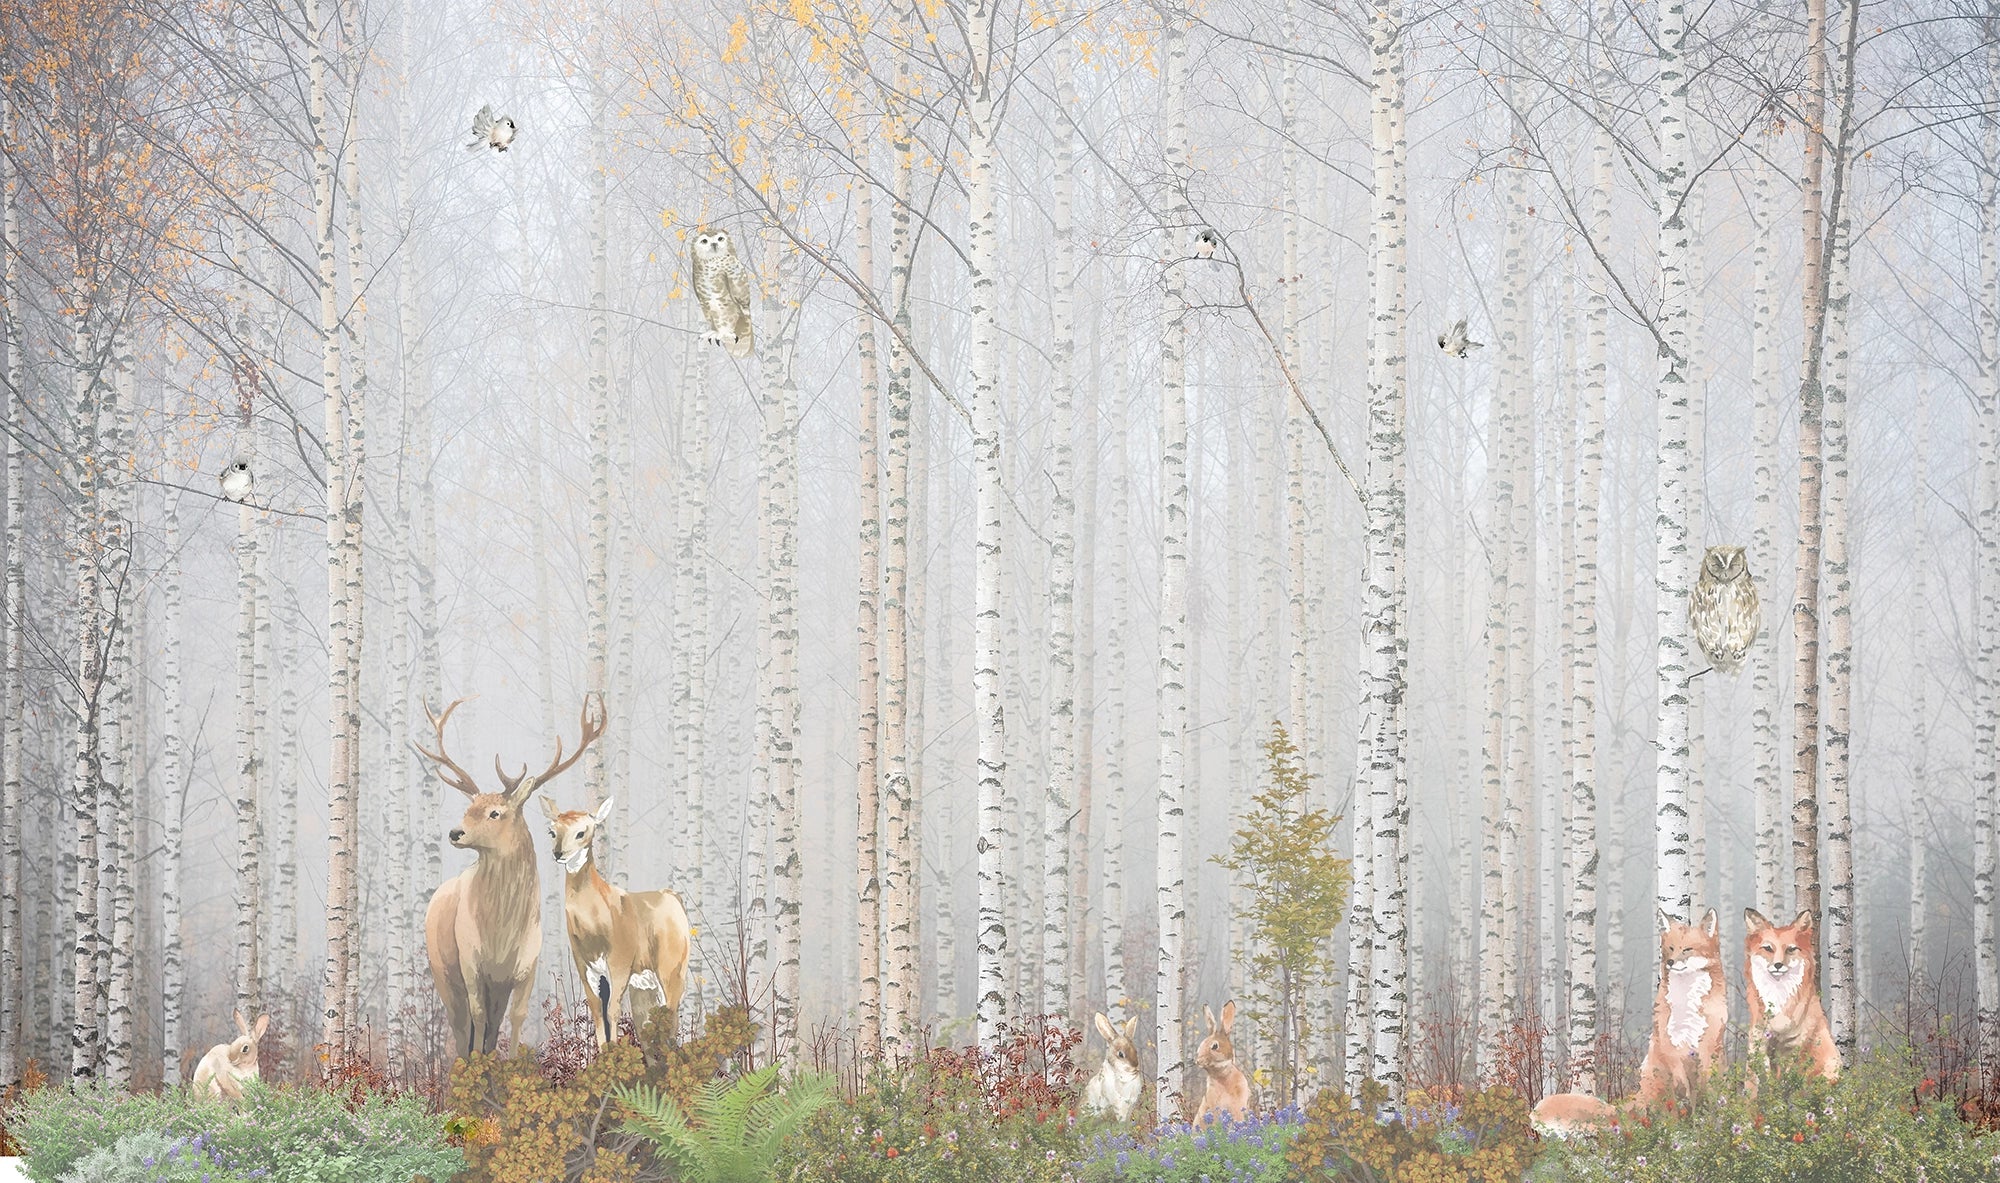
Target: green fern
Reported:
[(736, 1129)]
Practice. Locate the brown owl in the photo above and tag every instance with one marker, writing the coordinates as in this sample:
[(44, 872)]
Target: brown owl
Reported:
[(1722, 608)]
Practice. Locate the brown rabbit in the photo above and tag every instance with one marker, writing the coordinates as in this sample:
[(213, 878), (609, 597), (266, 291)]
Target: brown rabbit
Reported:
[(1228, 1092), (227, 1065)]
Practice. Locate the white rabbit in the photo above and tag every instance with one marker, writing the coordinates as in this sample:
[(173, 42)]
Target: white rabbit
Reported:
[(1115, 1088), (227, 1065)]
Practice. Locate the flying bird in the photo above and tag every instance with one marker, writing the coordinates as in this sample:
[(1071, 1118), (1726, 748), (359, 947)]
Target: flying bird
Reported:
[(1456, 342), (236, 481), (722, 286), (490, 130), (1206, 242)]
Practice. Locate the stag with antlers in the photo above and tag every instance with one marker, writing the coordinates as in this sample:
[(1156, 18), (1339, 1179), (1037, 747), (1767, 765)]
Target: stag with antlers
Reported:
[(484, 927)]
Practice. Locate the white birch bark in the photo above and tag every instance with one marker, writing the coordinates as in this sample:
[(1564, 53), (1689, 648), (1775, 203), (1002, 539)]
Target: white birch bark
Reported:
[(1986, 708), (340, 679), (1059, 796), (355, 500), (781, 425), (692, 602), (1118, 639), (898, 892), (1592, 397), (1494, 1003), (87, 775), (982, 114), (174, 768), (1385, 644), (867, 632), (1806, 581), (116, 718), (13, 631), (1764, 689), (285, 890), (1837, 954), (249, 993), (1169, 807), (1918, 817), (1673, 558), (597, 553)]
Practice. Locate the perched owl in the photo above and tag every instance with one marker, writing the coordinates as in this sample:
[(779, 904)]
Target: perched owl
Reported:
[(722, 284), (1722, 608)]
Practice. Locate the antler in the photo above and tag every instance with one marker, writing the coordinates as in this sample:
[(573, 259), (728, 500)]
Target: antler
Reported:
[(592, 728), (447, 769)]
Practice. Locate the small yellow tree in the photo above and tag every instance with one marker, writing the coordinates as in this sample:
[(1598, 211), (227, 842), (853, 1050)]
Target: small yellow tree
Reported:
[(1295, 892)]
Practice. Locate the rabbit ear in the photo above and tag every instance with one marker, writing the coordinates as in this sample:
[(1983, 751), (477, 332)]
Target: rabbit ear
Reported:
[(241, 1025), (263, 1022), (1131, 1026), (1104, 1028), (1210, 1012), (1228, 1015)]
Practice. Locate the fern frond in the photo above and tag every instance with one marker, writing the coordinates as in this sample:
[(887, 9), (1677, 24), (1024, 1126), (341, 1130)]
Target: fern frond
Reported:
[(659, 1118), (776, 1117)]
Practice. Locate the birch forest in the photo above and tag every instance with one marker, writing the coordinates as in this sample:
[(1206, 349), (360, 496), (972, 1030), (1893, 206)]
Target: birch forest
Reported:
[(1119, 381)]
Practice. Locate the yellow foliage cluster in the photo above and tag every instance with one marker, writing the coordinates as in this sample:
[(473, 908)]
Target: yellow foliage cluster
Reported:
[(1433, 1141)]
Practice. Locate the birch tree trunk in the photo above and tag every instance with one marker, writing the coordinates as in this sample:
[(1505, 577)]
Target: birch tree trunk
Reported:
[(248, 765), (597, 555), (341, 688), (13, 630), (174, 765), (1494, 1005), (1764, 691), (1919, 724), (1581, 839), (692, 569), (1169, 809), (898, 894), (867, 630), (116, 718), (982, 114), (781, 444), (1672, 558), (1111, 929), (1385, 644), (1805, 593), (1059, 798), (356, 321), (87, 776), (1837, 955), (1986, 708)]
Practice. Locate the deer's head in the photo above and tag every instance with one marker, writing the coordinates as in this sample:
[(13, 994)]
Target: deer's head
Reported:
[(573, 832), (493, 820)]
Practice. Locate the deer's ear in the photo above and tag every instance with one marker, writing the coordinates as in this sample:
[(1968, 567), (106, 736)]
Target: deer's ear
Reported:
[(549, 807), (603, 811)]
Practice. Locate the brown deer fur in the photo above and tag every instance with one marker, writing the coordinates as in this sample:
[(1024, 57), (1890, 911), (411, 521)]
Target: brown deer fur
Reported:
[(622, 941), (483, 928)]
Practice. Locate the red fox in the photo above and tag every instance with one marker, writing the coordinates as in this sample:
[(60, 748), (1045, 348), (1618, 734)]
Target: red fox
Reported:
[(1781, 980)]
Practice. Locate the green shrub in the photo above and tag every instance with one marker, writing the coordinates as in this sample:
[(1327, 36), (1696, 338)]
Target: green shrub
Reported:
[(1434, 1140), (955, 1117), (289, 1135), (1876, 1123), (735, 1130), (1249, 1151)]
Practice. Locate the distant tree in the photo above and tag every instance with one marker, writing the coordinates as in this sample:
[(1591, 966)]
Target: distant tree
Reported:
[(1294, 890)]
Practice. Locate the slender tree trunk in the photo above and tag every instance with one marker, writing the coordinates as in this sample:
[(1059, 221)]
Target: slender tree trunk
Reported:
[(1837, 956), (14, 1009), (1059, 797), (898, 892), (1169, 808), (340, 680), (248, 763), (982, 133), (693, 569), (1584, 1004), (87, 550), (1385, 643), (1111, 929), (355, 505), (781, 463), (597, 554), (867, 629), (1805, 594), (1764, 690), (1673, 558), (1920, 674), (1986, 708), (118, 930), (174, 767), (1494, 1001)]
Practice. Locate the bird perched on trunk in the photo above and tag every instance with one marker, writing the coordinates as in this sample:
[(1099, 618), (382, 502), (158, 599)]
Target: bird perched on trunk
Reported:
[(722, 285), (236, 481), (1205, 243), (490, 130), (1457, 342), (1722, 608)]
